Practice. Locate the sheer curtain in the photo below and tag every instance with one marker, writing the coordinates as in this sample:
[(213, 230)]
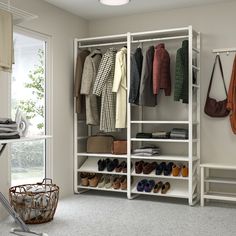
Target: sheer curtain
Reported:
[(6, 41)]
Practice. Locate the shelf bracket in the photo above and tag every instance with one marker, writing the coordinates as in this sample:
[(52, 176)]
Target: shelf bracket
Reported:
[(2, 148)]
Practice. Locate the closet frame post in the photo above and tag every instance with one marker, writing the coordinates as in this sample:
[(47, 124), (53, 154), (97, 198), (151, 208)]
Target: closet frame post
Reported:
[(190, 113), (75, 177), (128, 117), (198, 111)]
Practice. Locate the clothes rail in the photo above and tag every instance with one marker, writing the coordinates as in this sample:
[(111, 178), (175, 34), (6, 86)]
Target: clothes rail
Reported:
[(224, 50), (159, 39), (101, 44)]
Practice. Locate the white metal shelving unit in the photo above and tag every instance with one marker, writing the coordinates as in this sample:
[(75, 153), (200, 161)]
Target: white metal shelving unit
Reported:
[(83, 161), (206, 179), (181, 187)]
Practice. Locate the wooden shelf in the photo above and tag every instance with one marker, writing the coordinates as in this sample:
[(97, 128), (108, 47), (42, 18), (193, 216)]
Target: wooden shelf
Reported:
[(178, 189), (90, 166), (101, 155), (153, 175), (25, 139), (102, 189)]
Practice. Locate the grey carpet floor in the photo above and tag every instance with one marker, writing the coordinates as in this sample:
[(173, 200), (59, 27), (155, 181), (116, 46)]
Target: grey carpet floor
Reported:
[(99, 214)]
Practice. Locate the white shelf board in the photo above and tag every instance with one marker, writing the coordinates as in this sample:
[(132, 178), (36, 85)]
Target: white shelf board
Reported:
[(158, 122), (153, 175), (220, 196), (101, 155), (218, 166), (162, 140), (24, 139), (90, 165), (220, 180), (165, 158), (102, 189), (178, 189)]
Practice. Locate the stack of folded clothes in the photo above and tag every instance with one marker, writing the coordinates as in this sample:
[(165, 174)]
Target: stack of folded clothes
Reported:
[(149, 150), (177, 133), (161, 134), (8, 129)]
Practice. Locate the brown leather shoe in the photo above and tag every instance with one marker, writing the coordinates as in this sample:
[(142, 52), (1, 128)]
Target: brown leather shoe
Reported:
[(165, 188), (175, 170), (93, 180), (184, 171), (139, 167), (84, 179), (157, 187), (116, 183), (149, 167), (123, 183)]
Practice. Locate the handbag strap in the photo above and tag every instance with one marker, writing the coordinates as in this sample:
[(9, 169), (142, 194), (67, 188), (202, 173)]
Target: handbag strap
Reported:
[(212, 75)]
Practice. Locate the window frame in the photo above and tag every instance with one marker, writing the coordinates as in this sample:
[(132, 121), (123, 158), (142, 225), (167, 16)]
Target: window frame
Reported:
[(48, 97)]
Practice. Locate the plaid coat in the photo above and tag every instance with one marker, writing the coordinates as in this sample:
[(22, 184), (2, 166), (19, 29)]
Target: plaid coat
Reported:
[(103, 87)]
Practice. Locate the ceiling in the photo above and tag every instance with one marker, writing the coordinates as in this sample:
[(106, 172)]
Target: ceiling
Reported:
[(92, 9)]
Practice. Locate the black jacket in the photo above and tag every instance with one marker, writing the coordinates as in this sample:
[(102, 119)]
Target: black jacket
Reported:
[(136, 70)]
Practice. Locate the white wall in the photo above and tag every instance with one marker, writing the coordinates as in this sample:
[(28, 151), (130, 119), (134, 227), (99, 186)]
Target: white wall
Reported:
[(216, 22), (63, 27)]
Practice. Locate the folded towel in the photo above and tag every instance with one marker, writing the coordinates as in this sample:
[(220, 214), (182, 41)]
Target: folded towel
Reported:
[(9, 126), (6, 130), (143, 135), (17, 136), (7, 121)]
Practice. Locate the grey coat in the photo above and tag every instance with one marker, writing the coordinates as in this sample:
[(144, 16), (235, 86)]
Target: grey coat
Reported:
[(78, 76), (146, 96), (103, 87), (91, 65)]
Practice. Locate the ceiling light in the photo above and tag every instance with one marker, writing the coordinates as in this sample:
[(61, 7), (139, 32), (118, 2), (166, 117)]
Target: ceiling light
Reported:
[(114, 2)]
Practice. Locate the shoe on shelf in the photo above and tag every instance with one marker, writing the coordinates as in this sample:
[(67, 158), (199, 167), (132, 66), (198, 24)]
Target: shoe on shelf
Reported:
[(112, 165), (175, 170), (165, 188), (149, 186), (139, 167), (157, 187), (102, 181), (168, 169), (109, 181), (93, 180), (141, 184), (149, 167), (121, 166), (124, 169), (184, 171), (101, 165), (116, 183), (84, 179), (160, 168), (123, 183)]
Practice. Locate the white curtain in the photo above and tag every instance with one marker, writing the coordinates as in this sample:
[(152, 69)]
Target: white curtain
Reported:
[(6, 41)]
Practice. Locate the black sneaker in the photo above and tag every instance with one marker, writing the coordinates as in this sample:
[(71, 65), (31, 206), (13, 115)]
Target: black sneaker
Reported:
[(101, 165)]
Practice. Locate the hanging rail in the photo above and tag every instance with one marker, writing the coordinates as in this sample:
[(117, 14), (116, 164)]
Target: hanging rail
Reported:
[(224, 50), (101, 44), (159, 39)]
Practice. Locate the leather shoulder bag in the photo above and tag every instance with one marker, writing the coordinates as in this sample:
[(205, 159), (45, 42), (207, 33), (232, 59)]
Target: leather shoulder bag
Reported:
[(214, 108)]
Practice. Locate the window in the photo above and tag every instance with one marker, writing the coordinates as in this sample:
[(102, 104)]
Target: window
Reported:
[(28, 94)]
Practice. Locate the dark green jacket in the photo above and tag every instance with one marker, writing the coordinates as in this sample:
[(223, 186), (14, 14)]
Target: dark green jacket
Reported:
[(181, 73)]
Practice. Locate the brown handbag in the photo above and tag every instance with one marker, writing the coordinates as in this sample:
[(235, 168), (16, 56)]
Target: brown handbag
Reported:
[(214, 108), (120, 147), (100, 144)]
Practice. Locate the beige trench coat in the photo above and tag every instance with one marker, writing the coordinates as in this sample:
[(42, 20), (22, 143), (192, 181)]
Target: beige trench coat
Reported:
[(91, 65), (120, 88)]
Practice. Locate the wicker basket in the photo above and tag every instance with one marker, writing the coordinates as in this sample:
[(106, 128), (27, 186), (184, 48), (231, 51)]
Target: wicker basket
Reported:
[(35, 203)]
